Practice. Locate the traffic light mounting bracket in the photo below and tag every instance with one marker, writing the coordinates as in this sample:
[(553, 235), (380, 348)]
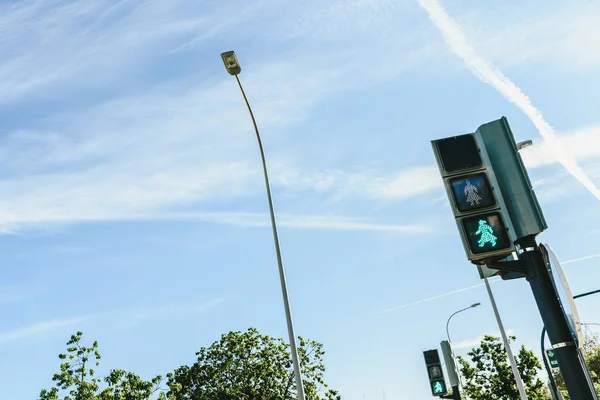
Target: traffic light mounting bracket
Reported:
[(454, 396), (508, 267)]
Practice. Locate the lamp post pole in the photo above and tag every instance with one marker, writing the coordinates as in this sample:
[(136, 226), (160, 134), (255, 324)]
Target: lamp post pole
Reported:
[(450, 343), (233, 67), (511, 358)]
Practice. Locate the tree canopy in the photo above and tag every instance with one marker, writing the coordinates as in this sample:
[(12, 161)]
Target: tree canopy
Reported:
[(241, 365), (250, 365), (488, 376), (77, 379)]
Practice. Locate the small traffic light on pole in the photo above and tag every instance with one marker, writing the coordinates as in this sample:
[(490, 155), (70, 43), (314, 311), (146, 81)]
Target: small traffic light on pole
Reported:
[(435, 373)]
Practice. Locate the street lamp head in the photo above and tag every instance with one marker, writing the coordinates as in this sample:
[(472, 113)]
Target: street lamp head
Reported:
[(475, 305), (523, 144), (232, 65)]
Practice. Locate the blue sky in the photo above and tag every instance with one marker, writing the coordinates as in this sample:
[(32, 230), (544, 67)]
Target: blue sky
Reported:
[(132, 204)]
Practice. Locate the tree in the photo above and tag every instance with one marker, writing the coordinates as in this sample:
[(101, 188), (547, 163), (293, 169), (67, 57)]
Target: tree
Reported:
[(248, 365), (77, 378), (489, 377), (591, 354), (240, 366)]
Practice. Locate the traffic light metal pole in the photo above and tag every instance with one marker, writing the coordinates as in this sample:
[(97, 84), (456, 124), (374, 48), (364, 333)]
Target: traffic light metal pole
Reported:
[(511, 358), (284, 292), (451, 367), (573, 371), (543, 349)]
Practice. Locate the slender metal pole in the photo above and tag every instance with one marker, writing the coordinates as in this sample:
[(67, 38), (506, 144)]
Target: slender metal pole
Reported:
[(511, 358), (456, 369), (284, 292)]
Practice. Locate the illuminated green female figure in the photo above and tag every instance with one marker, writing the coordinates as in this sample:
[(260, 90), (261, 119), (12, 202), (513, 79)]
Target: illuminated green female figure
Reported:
[(487, 234)]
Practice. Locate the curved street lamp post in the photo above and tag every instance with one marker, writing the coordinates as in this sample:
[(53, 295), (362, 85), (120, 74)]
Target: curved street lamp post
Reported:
[(233, 67), (450, 342)]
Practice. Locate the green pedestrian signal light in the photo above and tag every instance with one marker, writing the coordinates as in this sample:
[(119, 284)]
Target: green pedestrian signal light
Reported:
[(486, 232), (435, 373), (438, 387)]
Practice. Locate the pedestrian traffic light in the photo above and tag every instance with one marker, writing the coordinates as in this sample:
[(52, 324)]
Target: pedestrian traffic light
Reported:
[(476, 201), (435, 373)]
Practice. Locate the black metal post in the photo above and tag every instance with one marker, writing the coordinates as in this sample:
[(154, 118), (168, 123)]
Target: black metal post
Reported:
[(573, 371), (543, 348)]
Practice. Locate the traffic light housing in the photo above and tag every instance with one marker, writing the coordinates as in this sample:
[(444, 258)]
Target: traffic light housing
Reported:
[(435, 373), (475, 197)]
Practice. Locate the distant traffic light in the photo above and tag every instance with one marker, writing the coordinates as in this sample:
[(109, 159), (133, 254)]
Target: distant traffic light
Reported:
[(476, 201), (435, 373)]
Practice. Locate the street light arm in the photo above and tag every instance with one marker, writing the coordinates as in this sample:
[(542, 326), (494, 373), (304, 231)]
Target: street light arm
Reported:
[(448, 322)]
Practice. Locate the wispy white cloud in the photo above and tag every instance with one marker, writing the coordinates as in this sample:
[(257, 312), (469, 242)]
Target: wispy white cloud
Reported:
[(336, 19), (583, 144), (135, 316), (126, 318), (16, 293), (470, 343), (388, 185), (46, 44), (38, 329), (485, 71), (563, 36), (326, 222), (186, 141), (178, 143)]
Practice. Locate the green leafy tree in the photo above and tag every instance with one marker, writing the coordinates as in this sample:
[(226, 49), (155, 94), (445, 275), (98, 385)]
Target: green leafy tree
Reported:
[(77, 379), (248, 365), (488, 375), (591, 354)]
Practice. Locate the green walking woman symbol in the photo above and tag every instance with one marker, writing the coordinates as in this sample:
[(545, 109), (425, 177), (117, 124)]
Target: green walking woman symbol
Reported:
[(487, 234)]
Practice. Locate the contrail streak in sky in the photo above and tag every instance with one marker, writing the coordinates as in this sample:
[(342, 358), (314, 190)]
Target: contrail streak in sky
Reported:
[(486, 72), (414, 303), (580, 259), (439, 296)]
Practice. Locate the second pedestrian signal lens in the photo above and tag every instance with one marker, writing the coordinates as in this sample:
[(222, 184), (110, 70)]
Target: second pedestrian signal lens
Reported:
[(472, 192)]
